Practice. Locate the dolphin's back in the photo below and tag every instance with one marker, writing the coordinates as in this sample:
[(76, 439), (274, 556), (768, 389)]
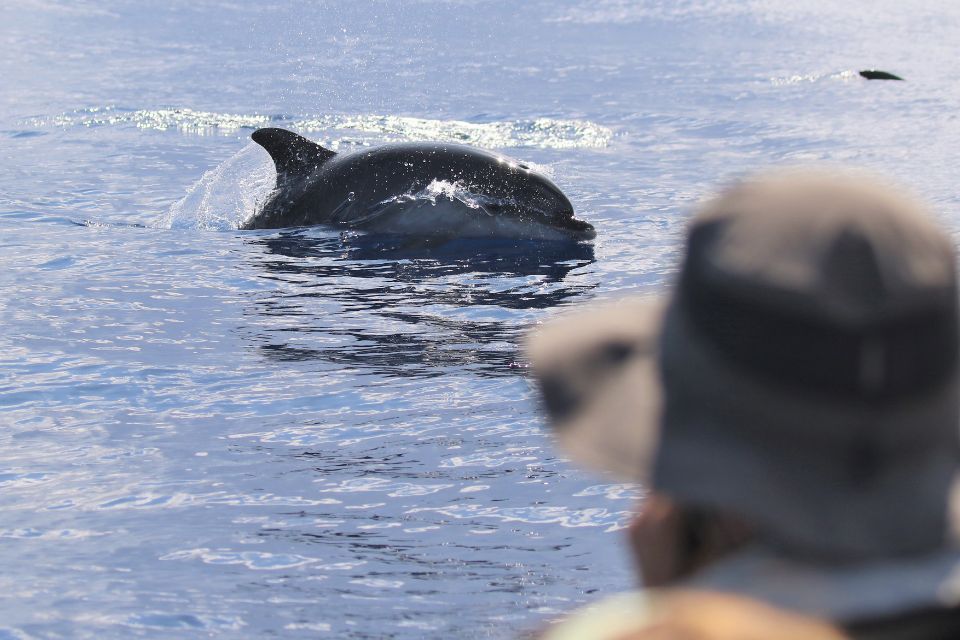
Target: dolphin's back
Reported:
[(414, 165)]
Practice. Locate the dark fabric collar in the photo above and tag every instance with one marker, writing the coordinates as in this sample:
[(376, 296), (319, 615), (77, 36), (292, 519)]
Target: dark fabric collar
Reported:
[(921, 624)]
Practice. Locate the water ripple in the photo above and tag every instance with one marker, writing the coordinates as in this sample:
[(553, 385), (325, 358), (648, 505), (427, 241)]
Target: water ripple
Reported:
[(561, 515), (60, 534), (171, 621), (392, 489), (613, 491), (255, 560), (491, 459)]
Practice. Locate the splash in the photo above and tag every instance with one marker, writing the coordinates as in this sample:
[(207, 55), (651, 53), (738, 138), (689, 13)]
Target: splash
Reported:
[(842, 76), (543, 133), (224, 197), (439, 191), (185, 120)]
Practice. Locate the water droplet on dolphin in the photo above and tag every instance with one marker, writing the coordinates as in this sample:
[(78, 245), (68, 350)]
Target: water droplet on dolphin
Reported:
[(351, 196)]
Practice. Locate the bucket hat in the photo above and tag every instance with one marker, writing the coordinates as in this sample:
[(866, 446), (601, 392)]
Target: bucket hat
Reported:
[(801, 371)]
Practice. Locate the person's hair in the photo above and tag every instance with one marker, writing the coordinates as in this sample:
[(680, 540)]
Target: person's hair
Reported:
[(708, 534)]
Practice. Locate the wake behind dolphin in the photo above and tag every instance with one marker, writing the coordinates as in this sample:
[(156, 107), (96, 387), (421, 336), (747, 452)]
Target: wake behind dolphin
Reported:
[(432, 190)]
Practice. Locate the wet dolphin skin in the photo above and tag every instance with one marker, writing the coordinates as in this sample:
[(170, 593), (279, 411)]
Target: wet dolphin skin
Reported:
[(423, 189)]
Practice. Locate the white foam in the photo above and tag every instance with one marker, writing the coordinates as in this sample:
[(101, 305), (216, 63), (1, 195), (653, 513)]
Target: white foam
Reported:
[(351, 129)]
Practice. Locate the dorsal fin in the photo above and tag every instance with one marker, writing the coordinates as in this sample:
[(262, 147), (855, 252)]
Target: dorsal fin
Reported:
[(293, 155)]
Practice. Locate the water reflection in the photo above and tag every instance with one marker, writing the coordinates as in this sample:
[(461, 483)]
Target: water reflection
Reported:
[(371, 255), (408, 307)]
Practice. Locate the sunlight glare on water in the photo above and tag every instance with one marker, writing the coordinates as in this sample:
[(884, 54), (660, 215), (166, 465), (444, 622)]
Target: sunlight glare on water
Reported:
[(547, 133)]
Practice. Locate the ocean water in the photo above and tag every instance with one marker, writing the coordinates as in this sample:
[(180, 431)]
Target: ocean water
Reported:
[(215, 433)]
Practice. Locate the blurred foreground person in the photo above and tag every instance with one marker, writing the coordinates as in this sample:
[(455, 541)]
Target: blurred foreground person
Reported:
[(791, 403)]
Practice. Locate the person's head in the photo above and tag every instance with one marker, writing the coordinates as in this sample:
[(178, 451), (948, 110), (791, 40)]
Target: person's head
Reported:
[(801, 375)]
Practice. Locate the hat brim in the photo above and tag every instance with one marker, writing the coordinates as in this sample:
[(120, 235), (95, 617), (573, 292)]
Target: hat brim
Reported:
[(597, 371)]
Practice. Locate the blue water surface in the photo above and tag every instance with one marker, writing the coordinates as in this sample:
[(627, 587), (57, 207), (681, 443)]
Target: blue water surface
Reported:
[(209, 433)]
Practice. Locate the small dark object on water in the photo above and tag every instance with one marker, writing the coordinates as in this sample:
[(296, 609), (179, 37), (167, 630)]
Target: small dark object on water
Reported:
[(876, 74)]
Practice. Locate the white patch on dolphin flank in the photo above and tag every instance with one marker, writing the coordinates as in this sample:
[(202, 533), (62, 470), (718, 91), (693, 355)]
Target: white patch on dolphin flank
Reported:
[(438, 192), (452, 190)]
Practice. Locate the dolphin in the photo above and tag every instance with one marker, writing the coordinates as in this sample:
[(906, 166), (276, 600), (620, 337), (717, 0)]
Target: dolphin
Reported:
[(431, 190), (877, 74)]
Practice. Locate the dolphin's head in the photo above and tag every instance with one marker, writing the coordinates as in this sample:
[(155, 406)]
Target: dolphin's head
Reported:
[(536, 197)]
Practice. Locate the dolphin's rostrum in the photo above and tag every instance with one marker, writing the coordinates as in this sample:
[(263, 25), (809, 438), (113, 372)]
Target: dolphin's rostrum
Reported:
[(424, 189)]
